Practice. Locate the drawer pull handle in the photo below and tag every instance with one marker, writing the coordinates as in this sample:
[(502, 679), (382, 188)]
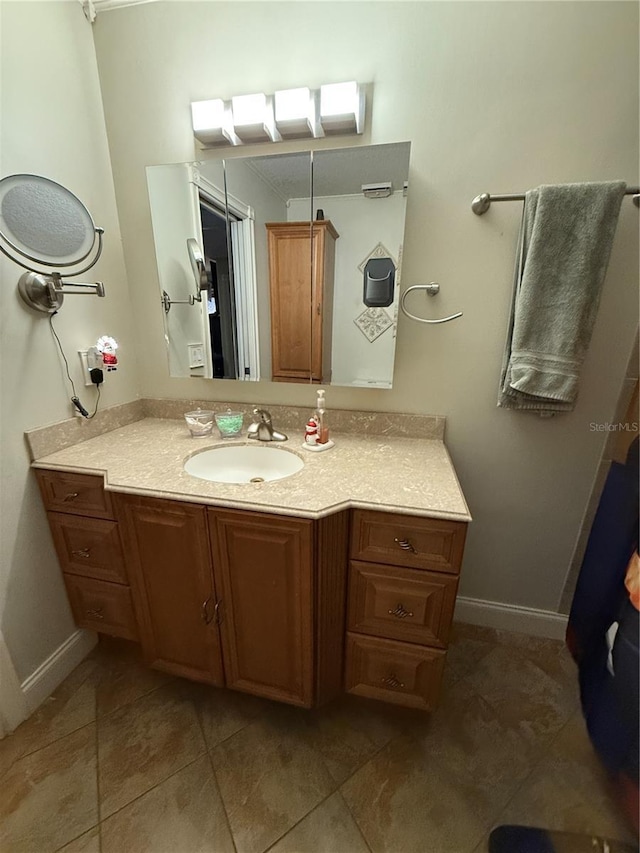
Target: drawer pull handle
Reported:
[(70, 497), (400, 612), (392, 681), (217, 613), (85, 553), (405, 545), (96, 613)]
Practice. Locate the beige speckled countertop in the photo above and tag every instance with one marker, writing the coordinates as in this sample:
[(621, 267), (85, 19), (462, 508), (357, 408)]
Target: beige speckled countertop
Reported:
[(405, 475)]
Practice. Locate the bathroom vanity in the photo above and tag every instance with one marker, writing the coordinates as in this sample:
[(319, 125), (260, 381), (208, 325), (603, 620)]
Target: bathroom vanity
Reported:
[(342, 577)]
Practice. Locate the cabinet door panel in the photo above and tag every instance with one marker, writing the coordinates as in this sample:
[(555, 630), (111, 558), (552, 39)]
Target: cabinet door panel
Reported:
[(167, 547), (263, 569)]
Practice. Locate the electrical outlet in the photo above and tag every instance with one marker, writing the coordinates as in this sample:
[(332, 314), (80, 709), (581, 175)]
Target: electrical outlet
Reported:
[(85, 366)]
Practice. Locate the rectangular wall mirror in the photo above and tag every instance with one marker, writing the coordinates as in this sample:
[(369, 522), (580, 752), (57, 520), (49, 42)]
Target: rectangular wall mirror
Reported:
[(299, 274)]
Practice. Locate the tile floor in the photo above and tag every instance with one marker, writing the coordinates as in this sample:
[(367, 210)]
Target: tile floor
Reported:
[(123, 759)]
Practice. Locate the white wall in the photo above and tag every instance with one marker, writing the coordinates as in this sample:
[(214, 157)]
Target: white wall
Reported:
[(495, 97), (53, 125), (362, 223)]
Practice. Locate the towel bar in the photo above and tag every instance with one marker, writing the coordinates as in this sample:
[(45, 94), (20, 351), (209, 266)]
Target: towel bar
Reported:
[(482, 202), (431, 289)]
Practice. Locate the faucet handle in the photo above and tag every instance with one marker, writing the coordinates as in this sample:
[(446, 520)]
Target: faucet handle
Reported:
[(263, 414)]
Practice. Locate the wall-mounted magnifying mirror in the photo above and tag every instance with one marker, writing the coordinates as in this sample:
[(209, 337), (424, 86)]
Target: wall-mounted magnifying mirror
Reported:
[(198, 266), (284, 265), (43, 224)]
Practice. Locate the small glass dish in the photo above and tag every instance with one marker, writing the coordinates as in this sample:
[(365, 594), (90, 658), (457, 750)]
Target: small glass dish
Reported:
[(199, 422), (229, 423)]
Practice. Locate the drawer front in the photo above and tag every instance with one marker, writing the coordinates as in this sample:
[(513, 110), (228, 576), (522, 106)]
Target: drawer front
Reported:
[(405, 540), (401, 604), (101, 606), (394, 672), (88, 546), (79, 494)]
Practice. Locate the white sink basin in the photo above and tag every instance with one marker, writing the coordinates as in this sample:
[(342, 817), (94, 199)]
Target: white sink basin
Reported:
[(243, 464)]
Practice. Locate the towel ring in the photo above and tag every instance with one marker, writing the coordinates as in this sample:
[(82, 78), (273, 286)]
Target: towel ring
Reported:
[(431, 289)]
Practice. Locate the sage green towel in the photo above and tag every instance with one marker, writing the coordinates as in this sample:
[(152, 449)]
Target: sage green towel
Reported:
[(563, 251)]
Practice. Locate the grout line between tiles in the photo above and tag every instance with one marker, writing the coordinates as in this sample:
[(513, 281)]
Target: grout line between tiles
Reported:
[(353, 818), (98, 773), (133, 701), (357, 770), (76, 837), (298, 822), (224, 806), (51, 742), (144, 793), (215, 777)]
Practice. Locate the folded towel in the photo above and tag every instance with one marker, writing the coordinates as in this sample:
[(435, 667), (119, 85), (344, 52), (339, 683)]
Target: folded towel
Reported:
[(563, 251)]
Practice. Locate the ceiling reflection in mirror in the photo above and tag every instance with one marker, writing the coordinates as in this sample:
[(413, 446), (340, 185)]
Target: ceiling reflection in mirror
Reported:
[(302, 255)]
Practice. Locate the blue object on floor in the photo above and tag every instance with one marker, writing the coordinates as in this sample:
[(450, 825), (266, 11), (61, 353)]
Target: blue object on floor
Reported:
[(520, 839), (529, 839)]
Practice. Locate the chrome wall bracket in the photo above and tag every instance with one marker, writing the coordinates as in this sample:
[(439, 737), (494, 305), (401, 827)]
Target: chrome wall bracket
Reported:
[(45, 293), (431, 289)]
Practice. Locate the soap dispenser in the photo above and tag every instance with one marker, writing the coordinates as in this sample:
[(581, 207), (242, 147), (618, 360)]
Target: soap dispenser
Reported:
[(321, 418), (317, 429)]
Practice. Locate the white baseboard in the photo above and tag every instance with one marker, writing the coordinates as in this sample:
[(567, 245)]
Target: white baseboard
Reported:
[(41, 683), (510, 617)]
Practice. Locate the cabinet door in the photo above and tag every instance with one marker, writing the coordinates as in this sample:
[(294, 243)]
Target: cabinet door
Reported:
[(167, 550), (290, 287), (264, 575)]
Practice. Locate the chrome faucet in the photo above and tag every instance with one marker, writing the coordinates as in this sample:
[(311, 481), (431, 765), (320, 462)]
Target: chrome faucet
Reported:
[(262, 428)]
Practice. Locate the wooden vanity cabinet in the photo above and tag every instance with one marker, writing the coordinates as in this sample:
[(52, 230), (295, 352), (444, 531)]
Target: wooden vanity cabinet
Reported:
[(301, 292), (169, 559), (86, 536), (257, 601)]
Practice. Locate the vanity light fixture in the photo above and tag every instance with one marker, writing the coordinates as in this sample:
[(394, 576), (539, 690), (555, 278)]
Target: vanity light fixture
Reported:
[(342, 108), (253, 118), (295, 112), (333, 109), (212, 122)]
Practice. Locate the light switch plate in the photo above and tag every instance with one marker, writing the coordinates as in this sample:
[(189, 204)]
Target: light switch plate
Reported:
[(196, 355)]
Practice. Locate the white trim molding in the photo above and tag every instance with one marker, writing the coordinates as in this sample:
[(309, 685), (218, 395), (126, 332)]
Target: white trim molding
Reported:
[(511, 617), (52, 672), (92, 7)]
